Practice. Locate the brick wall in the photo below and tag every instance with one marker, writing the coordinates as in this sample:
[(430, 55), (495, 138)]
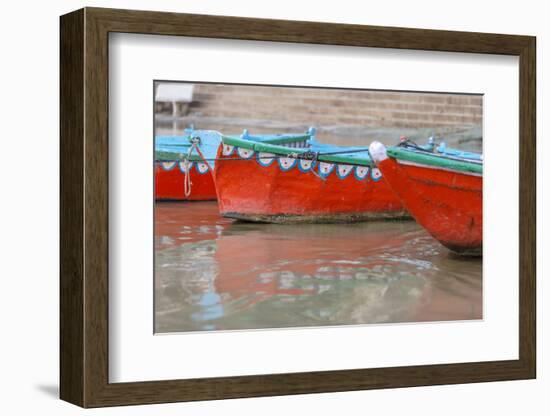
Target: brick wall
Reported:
[(326, 107)]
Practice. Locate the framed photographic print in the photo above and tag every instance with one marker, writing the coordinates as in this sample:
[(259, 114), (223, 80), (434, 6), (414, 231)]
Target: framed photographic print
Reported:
[(255, 207)]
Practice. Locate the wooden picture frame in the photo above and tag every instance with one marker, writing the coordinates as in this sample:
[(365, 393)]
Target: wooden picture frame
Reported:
[(84, 207)]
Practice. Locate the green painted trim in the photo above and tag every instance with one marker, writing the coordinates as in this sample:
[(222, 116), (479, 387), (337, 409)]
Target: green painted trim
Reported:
[(265, 147), (237, 141), (241, 142), (348, 160), (289, 139), (169, 156), (274, 148), (268, 147), (434, 160)]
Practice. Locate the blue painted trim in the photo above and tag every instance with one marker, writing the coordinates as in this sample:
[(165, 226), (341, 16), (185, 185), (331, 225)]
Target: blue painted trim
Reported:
[(291, 166), (191, 164), (246, 158), (168, 161), (198, 170), (372, 177), (346, 175), (301, 169), (233, 150), (446, 151), (326, 175), (357, 177), (265, 165)]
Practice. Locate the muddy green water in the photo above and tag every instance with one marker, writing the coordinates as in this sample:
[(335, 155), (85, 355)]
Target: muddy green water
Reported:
[(213, 273)]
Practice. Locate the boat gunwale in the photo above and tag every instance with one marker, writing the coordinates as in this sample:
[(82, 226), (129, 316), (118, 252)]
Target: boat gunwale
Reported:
[(277, 139), (176, 158), (277, 149), (434, 160), (183, 143)]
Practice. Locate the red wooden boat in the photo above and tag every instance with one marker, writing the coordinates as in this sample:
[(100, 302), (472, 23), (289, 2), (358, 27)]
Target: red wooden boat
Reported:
[(182, 167), (170, 182), (293, 178), (442, 189)]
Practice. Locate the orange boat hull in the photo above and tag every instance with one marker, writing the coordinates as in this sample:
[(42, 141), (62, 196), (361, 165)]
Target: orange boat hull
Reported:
[(448, 204), (275, 192)]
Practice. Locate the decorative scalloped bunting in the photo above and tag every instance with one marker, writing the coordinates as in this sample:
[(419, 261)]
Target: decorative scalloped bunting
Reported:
[(361, 172), (265, 159), (182, 165), (245, 153), (306, 165), (202, 167), (168, 165), (325, 168), (227, 150), (375, 174), (343, 171), (287, 163)]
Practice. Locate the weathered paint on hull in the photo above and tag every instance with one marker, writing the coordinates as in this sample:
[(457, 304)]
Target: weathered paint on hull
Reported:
[(275, 192), (447, 204), (335, 218), (170, 182)]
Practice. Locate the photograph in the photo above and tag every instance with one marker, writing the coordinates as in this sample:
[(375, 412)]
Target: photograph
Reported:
[(298, 207)]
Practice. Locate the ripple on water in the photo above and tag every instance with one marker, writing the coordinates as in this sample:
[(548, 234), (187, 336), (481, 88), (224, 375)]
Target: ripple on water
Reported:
[(212, 273)]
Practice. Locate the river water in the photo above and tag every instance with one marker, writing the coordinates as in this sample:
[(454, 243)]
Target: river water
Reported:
[(213, 273)]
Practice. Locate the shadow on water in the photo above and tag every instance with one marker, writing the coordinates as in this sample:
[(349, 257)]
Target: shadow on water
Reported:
[(213, 273)]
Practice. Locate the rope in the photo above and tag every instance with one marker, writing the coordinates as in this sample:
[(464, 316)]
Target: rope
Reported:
[(408, 143), (316, 174), (187, 184), (240, 159), (187, 180), (187, 177), (345, 152), (197, 148), (308, 155)]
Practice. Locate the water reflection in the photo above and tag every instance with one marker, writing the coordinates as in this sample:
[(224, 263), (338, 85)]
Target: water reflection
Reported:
[(216, 274)]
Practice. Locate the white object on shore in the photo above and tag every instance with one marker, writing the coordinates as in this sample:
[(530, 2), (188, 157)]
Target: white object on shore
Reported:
[(175, 93)]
